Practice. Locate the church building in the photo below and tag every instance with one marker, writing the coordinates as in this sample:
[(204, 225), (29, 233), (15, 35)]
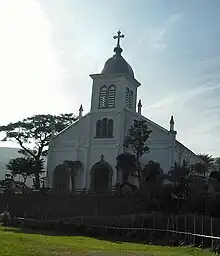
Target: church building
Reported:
[(93, 142)]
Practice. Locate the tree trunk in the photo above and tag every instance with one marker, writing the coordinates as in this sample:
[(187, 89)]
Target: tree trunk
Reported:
[(37, 180), (37, 174), (124, 177), (72, 176), (24, 179)]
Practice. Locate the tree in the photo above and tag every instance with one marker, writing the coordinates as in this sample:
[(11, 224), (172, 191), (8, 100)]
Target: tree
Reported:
[(208, 161), (180, 175), (152, 171), (33, 135), (136, 140), (20, 166), (126, 163), (217, 164), (25, 166), (199, 168), (215, 175)]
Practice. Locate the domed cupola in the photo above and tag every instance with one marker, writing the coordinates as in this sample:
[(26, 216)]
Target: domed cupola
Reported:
[(117, 64)]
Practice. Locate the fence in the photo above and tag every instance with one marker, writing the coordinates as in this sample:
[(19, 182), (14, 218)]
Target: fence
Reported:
[(171, 228), (190, 226)]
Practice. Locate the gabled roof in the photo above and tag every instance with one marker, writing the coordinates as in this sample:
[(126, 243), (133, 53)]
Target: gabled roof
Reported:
[(68, 127), (187, 149), (148, 120)]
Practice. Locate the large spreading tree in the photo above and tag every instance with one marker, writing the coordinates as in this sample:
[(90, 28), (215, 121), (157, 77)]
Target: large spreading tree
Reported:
[(33, 135), (136, 141), (208, 161)]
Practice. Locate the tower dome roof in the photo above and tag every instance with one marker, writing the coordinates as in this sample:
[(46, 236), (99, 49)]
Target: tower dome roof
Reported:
[(117, 64)]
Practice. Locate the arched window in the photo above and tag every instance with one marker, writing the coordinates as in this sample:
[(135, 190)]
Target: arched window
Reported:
[(104, 127), (111, 96), (131, 99), (103, 97), (127, 97), (99, 129), (110, 128)]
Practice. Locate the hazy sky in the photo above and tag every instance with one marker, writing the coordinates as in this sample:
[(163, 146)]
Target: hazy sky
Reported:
[(48, 48)]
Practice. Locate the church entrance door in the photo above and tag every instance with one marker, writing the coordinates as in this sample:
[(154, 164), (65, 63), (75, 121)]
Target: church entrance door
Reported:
[(61, 179), (100, 178)]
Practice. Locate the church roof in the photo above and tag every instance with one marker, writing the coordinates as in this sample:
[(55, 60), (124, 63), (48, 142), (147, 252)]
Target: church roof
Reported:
[(117, 64)]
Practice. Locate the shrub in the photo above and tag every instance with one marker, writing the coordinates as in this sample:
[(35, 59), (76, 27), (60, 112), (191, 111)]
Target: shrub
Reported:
[(5, 218)]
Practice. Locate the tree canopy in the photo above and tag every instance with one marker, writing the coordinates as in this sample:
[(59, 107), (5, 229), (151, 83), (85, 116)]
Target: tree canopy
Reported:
[(137, 136), (33, 135), (136, 140), (24, 166), (36, 130), (208, 161)]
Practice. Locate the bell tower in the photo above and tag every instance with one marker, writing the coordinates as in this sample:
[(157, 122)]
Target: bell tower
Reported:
[(115, 87)]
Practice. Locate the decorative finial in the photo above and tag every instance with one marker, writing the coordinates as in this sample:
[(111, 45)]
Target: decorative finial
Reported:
[(171, 120), (102, 157), (172, 124), (80, 110), (139, 103), (118, 49), (139, 107)]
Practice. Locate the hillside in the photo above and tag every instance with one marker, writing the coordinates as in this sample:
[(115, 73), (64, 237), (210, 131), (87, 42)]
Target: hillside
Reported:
[(5, 155)]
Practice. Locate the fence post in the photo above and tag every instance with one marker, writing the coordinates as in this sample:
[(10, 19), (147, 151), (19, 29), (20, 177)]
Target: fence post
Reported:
[(194, 229), (202, 230), (154, 223), (185, 228), (177, 223), (211, 226), (173, 227), (142, 224), (118, 222), (168, 225), (96, 210)]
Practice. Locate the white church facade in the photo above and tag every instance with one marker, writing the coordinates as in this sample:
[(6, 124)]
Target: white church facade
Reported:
[(96, 139)]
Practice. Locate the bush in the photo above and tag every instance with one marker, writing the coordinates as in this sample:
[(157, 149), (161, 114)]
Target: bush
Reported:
[(5, 218)]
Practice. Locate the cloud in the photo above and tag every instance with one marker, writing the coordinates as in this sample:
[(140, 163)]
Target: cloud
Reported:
[(196, 113), (155, 36), (31, 74)]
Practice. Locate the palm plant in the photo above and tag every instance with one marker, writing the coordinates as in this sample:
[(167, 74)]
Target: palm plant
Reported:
[(152, 171), (126, 164), (208, 161), (74, 167)]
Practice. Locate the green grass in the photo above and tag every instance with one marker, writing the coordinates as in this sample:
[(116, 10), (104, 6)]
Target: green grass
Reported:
[(14, 243)]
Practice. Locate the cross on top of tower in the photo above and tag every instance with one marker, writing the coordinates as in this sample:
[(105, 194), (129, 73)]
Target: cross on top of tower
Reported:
[(118, 37)]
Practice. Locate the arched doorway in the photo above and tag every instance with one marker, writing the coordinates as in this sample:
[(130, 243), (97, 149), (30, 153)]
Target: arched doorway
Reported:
[(101, 177), (61, 179)]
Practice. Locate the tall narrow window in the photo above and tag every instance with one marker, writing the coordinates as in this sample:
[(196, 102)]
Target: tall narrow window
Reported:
[(110, 128), (131, 99), (111, 96), (99, 129), (127, 95), (103, 97), (104, 127)]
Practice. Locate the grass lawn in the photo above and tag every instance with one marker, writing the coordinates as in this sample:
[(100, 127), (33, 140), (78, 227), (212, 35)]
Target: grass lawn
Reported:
[(14, 243)]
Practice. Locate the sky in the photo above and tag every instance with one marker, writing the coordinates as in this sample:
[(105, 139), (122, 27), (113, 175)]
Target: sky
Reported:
[(49, 48)]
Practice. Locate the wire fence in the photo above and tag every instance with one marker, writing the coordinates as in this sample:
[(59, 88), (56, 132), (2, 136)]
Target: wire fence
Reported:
[(188, 226)]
